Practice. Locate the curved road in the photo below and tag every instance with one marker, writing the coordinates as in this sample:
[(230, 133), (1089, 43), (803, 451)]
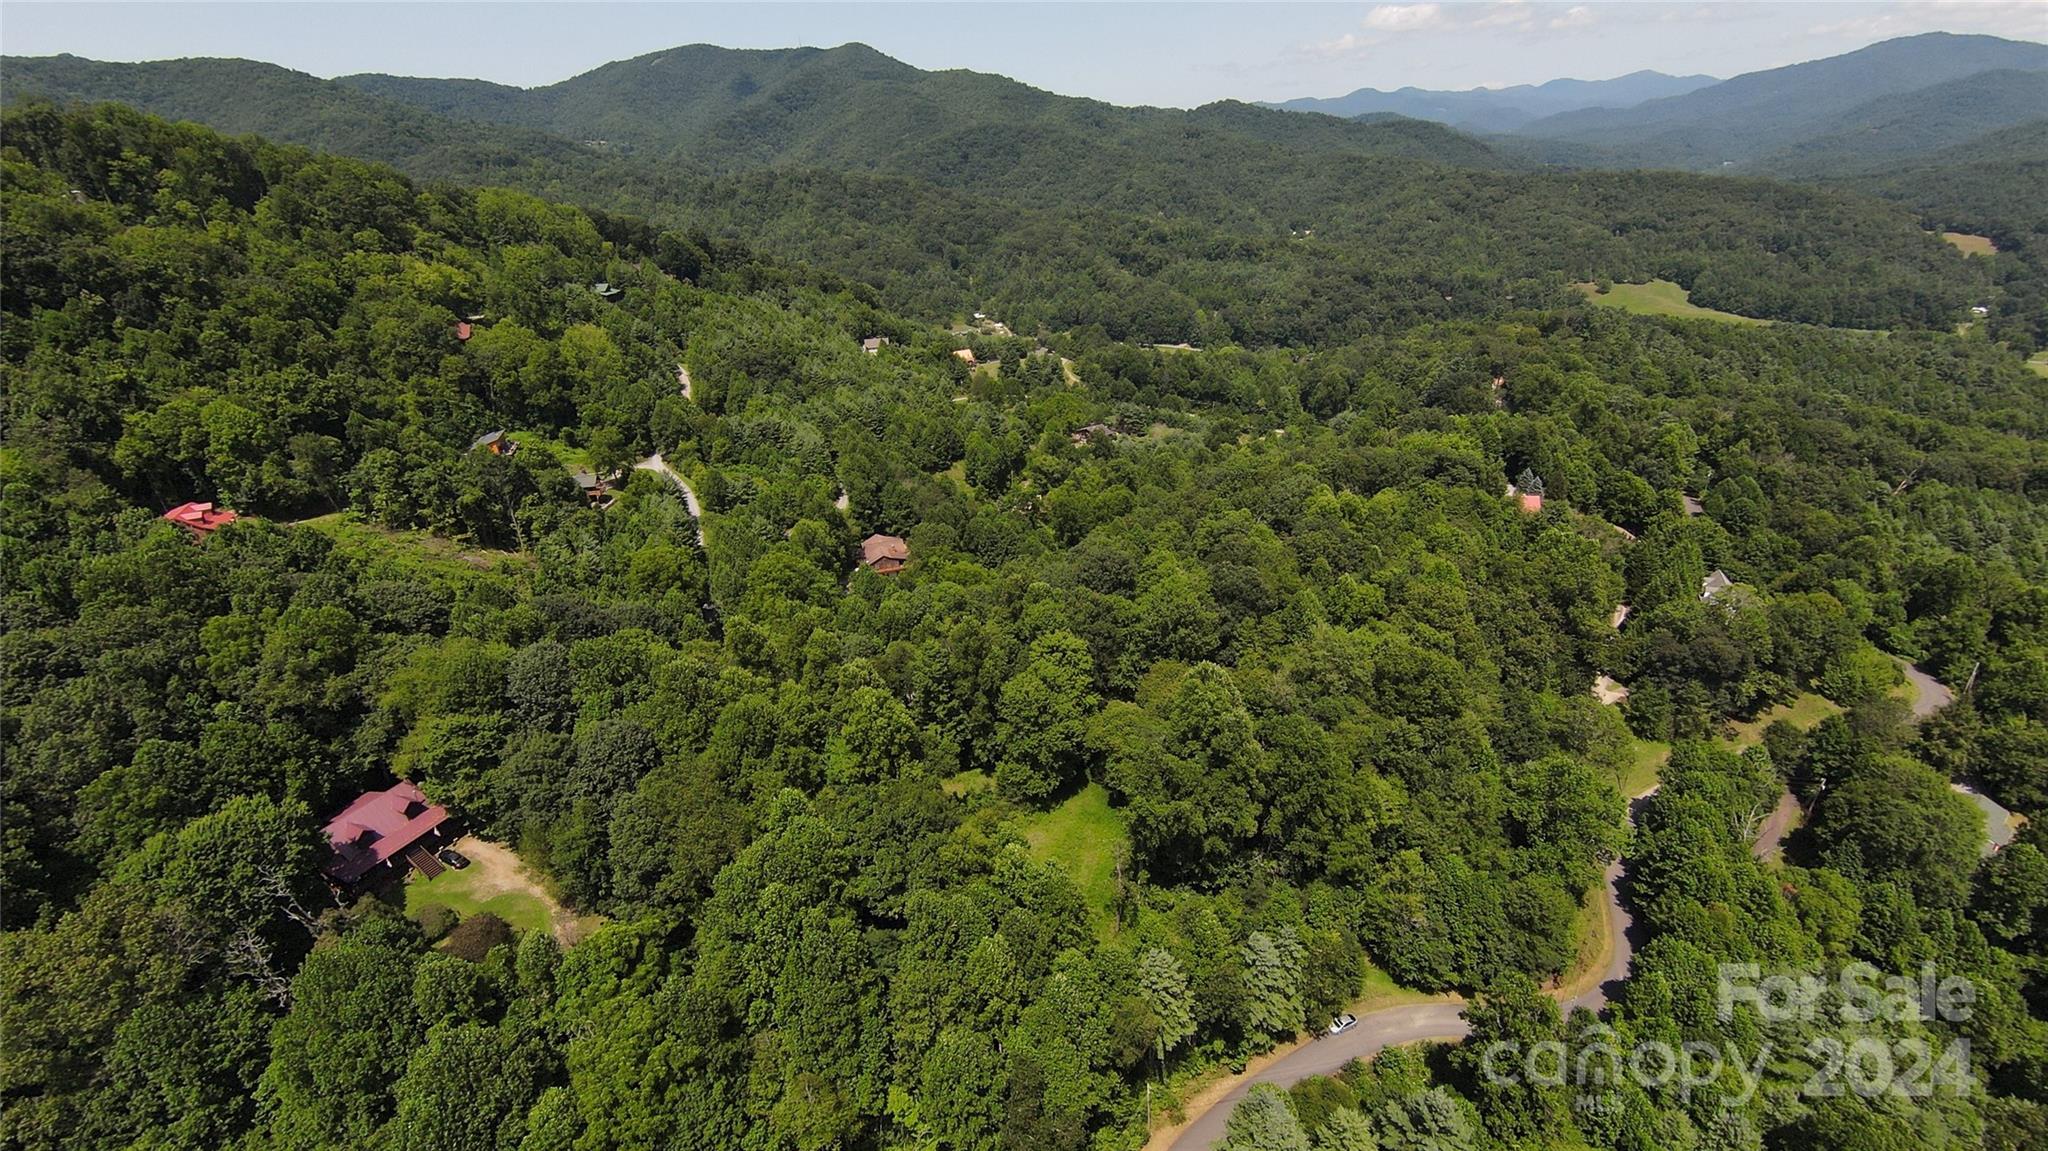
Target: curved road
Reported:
[(1412, 1023), (655, 463)]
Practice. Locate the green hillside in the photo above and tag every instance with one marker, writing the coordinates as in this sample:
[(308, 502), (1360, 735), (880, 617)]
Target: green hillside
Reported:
[(959, 192)]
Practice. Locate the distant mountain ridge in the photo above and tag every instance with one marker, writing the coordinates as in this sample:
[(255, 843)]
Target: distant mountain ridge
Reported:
[(1503, 109), (1761, 114)]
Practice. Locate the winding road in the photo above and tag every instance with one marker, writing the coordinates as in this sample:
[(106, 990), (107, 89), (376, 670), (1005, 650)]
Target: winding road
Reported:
[(655, 463), (1412, 1023)]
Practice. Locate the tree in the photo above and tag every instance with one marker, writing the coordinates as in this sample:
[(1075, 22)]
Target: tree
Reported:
[(1042, 717), (1272, 981), (1345, 1130), (1263, 1121), (1165, 988)]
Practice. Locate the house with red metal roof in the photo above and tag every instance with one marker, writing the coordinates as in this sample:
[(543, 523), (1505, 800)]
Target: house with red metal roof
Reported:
[(380, 826), (201, 520)]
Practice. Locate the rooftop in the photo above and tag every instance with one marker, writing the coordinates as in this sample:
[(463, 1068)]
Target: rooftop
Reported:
[(376, 827)]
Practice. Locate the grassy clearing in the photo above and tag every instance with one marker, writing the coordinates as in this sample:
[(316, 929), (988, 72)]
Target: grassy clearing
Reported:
[(1970, 245), (497, 882), (391, 551), (1804, 712), (2039, 363), (574, 459), (1650, 758), (968, 782), (1084, 836), (1382, 992), (1659, 298)]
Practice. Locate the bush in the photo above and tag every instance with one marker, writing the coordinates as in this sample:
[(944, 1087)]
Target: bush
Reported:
[(474, 937)]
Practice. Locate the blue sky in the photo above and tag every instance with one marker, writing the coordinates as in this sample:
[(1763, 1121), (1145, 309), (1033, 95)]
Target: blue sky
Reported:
[(1178, 54)]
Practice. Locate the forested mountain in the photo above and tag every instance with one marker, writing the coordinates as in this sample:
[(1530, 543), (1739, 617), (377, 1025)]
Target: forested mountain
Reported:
[(1503, 109), (1253, 633), (1229, 223), (1759, 114), (1917, 125)]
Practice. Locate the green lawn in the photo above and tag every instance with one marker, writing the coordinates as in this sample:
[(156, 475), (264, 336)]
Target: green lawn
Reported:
[(968, 782), (1651, 756), (1083, 836), (387, 551), (457, 891), (2039, 363), (1804, 712), (1659, 298)]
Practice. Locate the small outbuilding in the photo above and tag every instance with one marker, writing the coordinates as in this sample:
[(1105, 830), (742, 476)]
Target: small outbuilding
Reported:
[(463, 330), (873, 345), (965, 355), (604, 291), (884, 554)]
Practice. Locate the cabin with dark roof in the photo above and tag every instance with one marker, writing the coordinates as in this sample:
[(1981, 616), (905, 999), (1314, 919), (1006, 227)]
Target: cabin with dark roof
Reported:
[(380, 827), (604, 291), (497, 443)]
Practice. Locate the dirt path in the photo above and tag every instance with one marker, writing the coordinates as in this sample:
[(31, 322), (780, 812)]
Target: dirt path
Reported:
[(683, 378), (1771, 833), (1394, 1026), (655, 463), (494, 870)]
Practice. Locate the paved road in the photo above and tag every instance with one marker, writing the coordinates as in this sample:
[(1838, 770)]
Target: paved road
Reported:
[(1929, 696), (1415, 1022), (655, 463)]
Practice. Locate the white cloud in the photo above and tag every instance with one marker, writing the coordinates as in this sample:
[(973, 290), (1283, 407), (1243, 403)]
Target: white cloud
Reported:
[(1576, 16), (1404, 17)]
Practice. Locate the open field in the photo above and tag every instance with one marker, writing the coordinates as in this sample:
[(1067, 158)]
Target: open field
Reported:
[(1970, 245), (1084, 836), (2039, 363), (497, 882), (386, 549), (1651, 756), (1659, 298)]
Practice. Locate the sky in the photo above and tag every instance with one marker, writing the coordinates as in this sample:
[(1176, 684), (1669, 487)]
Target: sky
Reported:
[(1179, 55)]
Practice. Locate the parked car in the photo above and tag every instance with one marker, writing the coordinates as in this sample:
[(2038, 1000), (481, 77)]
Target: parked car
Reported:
[(453, 858), (1343, 1023)]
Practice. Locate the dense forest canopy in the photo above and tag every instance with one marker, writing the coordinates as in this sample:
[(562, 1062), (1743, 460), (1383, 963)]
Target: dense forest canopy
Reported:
[(1255, 623)]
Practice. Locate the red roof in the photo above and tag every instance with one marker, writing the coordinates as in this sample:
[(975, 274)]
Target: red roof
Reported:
[(200, 519), (462, 331), (1532, 501), (377, 826)]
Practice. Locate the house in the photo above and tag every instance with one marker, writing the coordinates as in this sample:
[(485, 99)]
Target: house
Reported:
[(497, 443), (873, 345), (381, 826), (462, 330), (1717, 581), (884, 554), (1093, 432), (607, 293), (594, 488), (201, 520), (964, 354), (1980, 311), (1531, 502)]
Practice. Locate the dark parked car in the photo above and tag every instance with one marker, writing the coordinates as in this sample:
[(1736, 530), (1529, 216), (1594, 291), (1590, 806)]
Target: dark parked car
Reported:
[(453, 858)]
